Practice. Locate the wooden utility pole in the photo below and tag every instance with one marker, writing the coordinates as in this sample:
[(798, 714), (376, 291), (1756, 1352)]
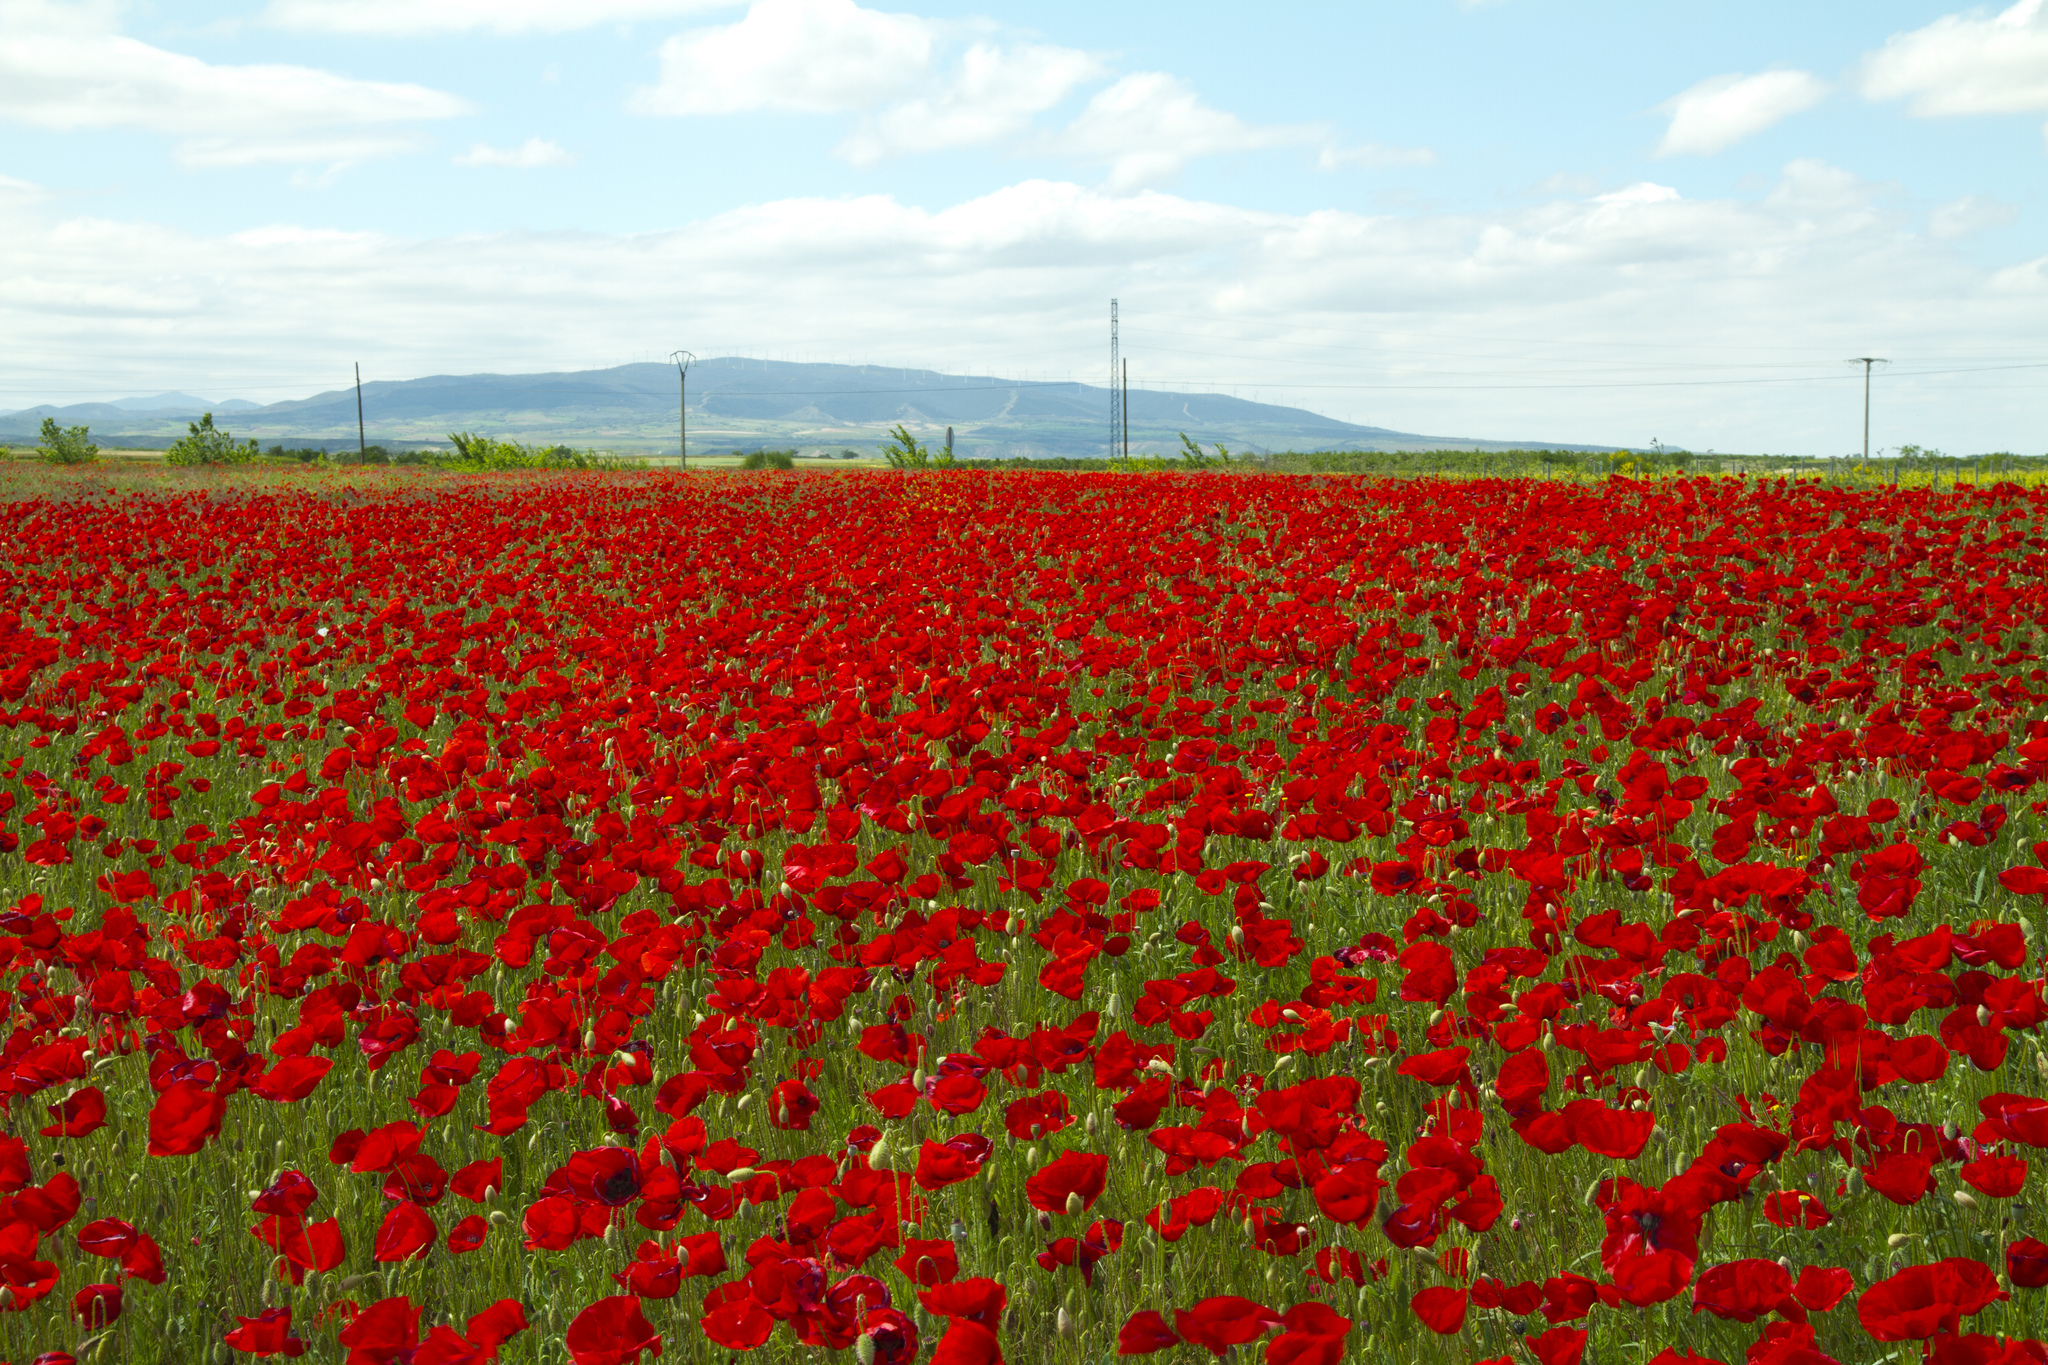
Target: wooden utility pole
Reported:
[(362, 442), (683, 360)]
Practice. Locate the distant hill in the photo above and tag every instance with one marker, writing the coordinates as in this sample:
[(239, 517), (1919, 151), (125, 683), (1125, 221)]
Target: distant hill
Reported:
[(738, 403)]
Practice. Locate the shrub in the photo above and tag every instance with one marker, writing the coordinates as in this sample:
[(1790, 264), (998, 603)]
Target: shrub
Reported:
[(770, 459), (905, 452), (206, 444), (66, 445)]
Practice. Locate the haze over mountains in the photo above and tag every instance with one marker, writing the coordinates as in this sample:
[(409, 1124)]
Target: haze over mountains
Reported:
[(740, 403)]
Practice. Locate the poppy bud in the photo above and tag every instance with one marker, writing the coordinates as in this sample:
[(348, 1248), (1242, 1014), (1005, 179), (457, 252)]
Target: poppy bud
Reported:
[(739, 1173), (1950, 1131), (1091, 1125), (1237, 935), (864, 1349), (1642, 1077), (1044, 1221), (498, 1219), (1074, 1204), (1031, 1156), (745, 1100), (1111, 1006), (350, 1282), (917, 1079), (2041, 1065), (1964, 1198), (1854, 1183), (1593, 1190), (1984, 1015), (1898, 1239), (1063, 1323)]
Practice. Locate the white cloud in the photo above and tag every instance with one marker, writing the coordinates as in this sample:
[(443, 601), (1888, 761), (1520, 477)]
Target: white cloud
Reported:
[(994, 94), (415, 18), (1373, 154), (810, 56), (1722, 110), (1966, 64), (1149, 125), (1971, 213), (1575, 291), (534, 152), (66, 68)]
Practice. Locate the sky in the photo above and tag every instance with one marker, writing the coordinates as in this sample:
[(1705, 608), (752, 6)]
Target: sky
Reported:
[(1610, 223)]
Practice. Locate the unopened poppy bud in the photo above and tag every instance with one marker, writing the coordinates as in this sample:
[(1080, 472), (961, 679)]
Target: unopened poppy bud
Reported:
[(1854, 1183), (589, 1040), (498, 1219), (1984, 1015), (1237, 934), (1436, 1017), (349, 1282), (1112, 1006), (1074, 1204), (1044, 1221), (739, 1173), (745, 1100), (1950, 1131), (1593, 1191), (1090, 1125), (1292, 1016), (2041, 1065), (864, 1349), (917, 1079), (1031, 1156), (1064, 1323), (1898, 1239), (1965, 1198)]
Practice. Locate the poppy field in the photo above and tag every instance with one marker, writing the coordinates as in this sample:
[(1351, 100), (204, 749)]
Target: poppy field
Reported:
[(603, 917)]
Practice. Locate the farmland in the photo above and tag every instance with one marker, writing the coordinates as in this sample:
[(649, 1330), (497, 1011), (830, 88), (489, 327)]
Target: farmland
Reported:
[(588, 916)]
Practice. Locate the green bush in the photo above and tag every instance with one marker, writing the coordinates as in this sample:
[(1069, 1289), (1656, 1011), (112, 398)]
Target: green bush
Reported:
[(207, 444), (905, 452), (480, 454), (770, 459), (66, 445)]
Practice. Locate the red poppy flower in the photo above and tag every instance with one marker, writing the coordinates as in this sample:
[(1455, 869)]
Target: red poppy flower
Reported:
[(1742, 1290), (1220, 1322), (96, 1305), (267, 1334), (81, 1113), (1795, 1209), (1143, 1333), (1073, 1173), (2027, 1262), (791, 1106), (967, 1343), (1441, 1309), (928, 1261), (382, 1332), (1999, 1177), (185, 1117), (978, 1300), (1037, 1116), (1314, 1335), (1559, 1346), (611, 1332), (1922, 1300), (1820, 1288), (408, 1232), (468, 1234), (473, 1180), (732, 1318)]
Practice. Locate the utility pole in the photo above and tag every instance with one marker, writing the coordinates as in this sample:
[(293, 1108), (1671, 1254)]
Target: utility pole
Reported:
[(1866, 361), (1116, 405), (1127, 409), (362, 442), (682, 361)]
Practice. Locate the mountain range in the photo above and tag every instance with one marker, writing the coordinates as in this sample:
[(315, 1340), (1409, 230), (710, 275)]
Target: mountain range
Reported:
[(739, 403)]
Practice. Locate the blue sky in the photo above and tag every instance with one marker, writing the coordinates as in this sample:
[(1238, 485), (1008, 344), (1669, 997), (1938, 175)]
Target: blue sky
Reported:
[(1519, 219)]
